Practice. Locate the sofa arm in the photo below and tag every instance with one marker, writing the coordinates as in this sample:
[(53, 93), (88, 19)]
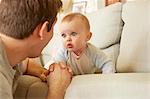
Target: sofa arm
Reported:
[(110, 86), (93, 86), (30, 87)]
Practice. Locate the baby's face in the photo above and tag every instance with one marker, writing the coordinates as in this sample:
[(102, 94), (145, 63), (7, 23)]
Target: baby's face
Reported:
[(74, 34)]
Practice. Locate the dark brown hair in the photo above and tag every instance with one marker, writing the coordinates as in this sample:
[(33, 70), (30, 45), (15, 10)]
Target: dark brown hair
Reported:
[(19, 18)]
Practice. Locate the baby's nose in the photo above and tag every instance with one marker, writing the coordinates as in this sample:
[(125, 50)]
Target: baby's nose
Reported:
[(68, 38)]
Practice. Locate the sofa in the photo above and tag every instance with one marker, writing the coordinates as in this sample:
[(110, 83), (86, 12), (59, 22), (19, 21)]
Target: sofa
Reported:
[(122, 31)]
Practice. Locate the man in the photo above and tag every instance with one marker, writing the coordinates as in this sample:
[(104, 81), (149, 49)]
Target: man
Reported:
[(26, 26)]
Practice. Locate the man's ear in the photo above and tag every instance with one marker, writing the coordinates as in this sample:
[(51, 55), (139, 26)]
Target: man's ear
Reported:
[(43, 30), (89, 36)]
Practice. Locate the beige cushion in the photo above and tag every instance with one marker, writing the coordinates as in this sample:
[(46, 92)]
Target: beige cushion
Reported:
[(37, 90), (110, 86), (135, 41), (30, 87), (106, 25)]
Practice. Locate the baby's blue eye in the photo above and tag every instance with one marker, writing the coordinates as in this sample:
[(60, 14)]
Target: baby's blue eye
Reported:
[(63, 35), (74, 33)]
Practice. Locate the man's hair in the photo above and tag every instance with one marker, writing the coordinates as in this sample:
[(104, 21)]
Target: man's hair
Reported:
[(19, 18), (71, 16)]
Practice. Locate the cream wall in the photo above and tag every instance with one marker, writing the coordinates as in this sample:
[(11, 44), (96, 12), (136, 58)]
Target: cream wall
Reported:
[(68, 5)]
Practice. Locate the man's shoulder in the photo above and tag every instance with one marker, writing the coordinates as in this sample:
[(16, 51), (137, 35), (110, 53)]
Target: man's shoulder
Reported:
[(1, 46), (5, 87)]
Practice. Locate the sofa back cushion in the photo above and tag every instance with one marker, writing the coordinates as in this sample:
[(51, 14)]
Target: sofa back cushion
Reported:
[(106, 25), (135, 40)]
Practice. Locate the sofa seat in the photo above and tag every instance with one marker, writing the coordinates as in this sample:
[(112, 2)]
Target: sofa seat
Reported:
[(30, 87), (110, 86), (95, 86)]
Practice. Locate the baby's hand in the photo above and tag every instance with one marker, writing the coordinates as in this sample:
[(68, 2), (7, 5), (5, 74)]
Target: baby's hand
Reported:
[(44, 75)]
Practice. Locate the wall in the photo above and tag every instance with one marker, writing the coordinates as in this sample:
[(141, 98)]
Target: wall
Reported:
[(92, 5)]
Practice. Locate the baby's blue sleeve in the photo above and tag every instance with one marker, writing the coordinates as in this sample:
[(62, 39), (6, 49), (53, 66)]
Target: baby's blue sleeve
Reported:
[(104, 63), (61, 55)]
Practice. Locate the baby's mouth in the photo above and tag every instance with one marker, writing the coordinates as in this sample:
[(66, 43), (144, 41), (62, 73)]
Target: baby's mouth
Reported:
[(69, 46)]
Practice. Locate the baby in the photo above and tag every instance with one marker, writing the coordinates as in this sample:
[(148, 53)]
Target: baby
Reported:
[(81, 56)]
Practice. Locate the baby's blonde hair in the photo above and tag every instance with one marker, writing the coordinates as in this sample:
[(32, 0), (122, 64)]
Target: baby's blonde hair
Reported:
[(72, 16)]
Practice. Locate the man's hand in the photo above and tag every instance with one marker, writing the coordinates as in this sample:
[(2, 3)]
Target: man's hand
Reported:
[(58, 80)]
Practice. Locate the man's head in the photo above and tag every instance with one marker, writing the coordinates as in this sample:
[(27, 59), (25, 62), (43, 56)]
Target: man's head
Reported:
[(75, 30), (19, 18)]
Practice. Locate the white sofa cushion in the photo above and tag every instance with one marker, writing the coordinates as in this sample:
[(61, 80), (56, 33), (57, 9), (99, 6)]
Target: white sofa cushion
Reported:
[(106, 25), (110, 86), (135, 40)]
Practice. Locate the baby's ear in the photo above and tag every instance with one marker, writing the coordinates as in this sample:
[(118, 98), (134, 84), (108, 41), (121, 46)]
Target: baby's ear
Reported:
[(89, 35)]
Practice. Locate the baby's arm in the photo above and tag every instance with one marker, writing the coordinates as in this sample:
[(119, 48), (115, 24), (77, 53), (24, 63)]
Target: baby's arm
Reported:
[(35, 69), (105, 63), (108, 67), (60, 56)]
